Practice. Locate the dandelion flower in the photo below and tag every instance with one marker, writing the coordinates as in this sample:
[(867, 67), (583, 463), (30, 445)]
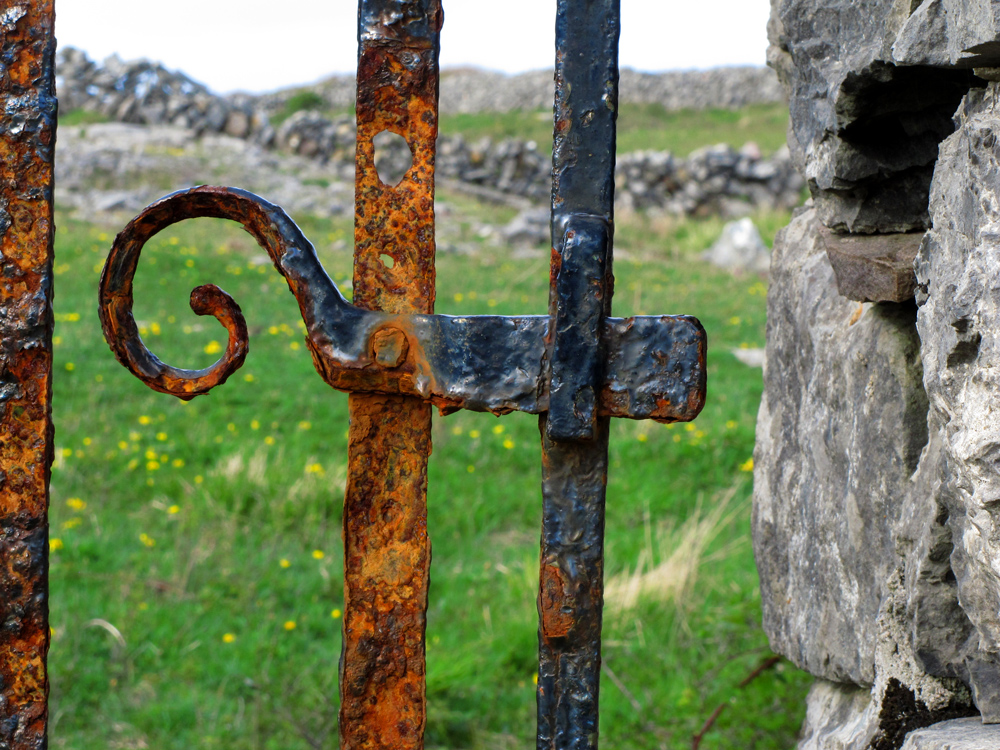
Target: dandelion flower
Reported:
[(747, 465), (498, 429), (318, 554), (290, 625), (144, 419), (508, 444), (228, 638), (335, 614), (55, 544), (161, 436), (248, 377), (305, 425), (642, 437), (87, 441), (474, 434), (213, 347), (70, 367), (174, 510), (285, 563), (76, 503)]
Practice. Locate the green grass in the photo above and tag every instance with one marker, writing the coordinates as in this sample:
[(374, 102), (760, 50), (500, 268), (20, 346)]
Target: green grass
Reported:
[(82, 117), (641, 127), (191, 535)]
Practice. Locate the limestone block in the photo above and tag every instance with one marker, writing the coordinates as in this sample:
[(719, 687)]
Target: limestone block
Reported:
[(863, 130), (957, 734), (963, 33), (841, 426), (959, 324), (873, 268), (903, 698)]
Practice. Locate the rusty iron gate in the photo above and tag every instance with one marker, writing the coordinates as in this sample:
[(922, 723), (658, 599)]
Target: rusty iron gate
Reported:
[(576, 367)]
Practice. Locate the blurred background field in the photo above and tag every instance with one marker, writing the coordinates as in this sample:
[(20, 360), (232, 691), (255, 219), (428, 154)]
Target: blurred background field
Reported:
[(196, 548)]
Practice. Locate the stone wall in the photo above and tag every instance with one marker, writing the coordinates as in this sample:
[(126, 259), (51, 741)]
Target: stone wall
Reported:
[(876, 521), (719, 179), (471, 90)]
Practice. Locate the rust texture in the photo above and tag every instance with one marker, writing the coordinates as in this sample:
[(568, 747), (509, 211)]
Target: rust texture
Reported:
[(27, 140), (387, 551)]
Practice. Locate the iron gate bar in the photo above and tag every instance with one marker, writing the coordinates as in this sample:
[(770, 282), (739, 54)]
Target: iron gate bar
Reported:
[(574, 438), (387, 552), (576, 366), (27, 141)]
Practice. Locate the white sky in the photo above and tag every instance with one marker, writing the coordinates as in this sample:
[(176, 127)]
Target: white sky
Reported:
[(261, 45)]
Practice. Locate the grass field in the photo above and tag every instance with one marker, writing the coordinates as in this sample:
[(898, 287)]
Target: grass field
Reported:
[(642, 127), (196, 551)]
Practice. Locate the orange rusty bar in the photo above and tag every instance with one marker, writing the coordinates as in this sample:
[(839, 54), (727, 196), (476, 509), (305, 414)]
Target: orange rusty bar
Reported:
[(386, 547), (27, 140)]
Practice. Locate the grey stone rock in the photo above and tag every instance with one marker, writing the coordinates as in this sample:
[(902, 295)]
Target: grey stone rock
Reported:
[(529, 227), (902, 699), (873, 268), (962, 33), (863, 131), (841, 426), (958, 321), (957, 734), (939, 628), (739, 249)]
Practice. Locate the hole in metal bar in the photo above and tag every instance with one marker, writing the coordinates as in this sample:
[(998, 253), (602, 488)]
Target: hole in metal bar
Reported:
[(387, 260), (393, 157)]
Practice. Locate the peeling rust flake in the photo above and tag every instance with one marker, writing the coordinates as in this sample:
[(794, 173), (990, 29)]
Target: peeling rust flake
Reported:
[(27, 138)]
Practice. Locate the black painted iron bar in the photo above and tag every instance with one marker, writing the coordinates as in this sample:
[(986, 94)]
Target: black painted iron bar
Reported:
[(575, 457)]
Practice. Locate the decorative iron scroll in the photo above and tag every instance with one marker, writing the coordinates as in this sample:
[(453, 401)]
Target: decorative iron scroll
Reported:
[(576, 367)]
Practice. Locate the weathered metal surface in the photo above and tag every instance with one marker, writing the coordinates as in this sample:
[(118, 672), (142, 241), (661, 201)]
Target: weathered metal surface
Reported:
[(574, 471), (27, 140), (387, 552), (577, 360), (576, 366), (874, 268), (649, 367)]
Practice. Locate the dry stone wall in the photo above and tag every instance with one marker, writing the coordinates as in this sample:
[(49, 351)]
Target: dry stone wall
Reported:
[(876, 517), (718, 179)]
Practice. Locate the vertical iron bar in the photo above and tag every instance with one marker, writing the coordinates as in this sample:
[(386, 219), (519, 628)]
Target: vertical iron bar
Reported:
[(27, 142), (574, 472), (386, 546)]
